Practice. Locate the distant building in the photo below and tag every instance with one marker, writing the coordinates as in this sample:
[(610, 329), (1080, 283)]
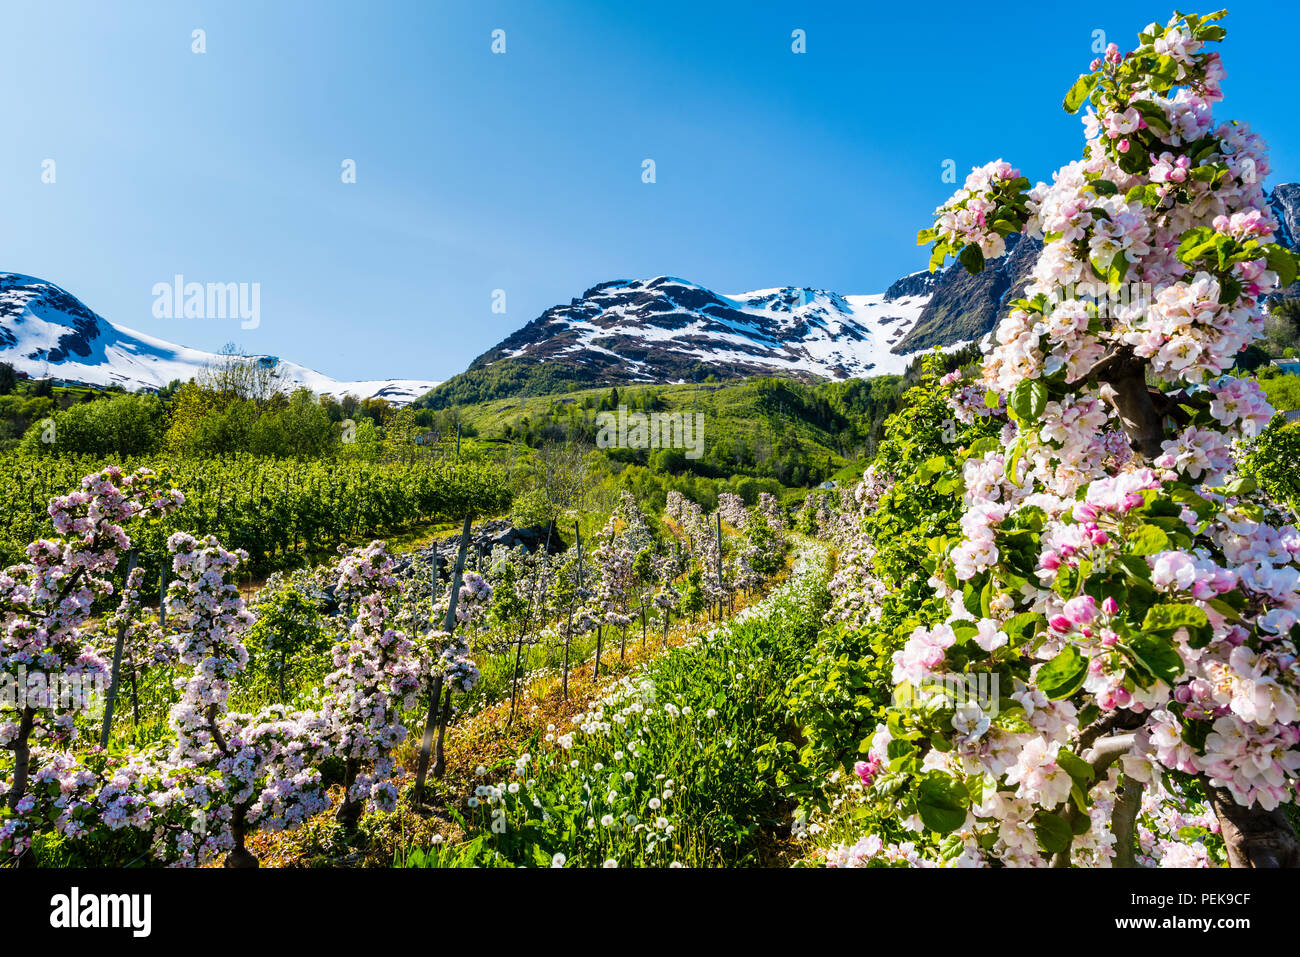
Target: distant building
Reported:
[(1289, 366)]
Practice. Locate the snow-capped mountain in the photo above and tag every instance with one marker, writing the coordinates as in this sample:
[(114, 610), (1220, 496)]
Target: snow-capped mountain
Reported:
[(664, 329), (46, 332), (670, 330)]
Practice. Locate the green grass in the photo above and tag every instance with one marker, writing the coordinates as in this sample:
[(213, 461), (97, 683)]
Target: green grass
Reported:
[(678, 764)]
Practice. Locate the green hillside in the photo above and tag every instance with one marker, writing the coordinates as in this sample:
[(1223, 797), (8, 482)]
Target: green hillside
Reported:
[(778, 431)]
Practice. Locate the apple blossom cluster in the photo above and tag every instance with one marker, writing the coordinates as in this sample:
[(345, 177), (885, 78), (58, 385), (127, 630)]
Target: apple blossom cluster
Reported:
[(702, 541), (145, 642), (474, 598), (614, 589), (449, 657), (1141, 615), (227, 773), (262, 765), (771, 510), (45, 604), (981, 214), (377, 672), (856, 591), (732, 509)]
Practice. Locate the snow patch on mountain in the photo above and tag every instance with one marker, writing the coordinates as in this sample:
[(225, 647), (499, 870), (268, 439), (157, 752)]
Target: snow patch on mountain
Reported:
[(659, 329), (45, 332)]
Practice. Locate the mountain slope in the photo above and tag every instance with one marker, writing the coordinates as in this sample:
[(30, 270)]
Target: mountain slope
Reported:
[(660, 329), (670, 330), (46, 332)]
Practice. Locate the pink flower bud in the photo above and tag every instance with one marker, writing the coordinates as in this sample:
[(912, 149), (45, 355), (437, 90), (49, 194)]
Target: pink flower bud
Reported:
[(1085, 512), (1081, 610)]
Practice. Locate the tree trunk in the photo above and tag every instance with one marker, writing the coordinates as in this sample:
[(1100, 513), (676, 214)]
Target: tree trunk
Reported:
[(116, 675), (426, 745), (449, 625), (135, 694), (440, 759), (22, 765), (349, 811), (239, 856), (1124, 386), (1254, 837), (1128, 802), (523, 628)]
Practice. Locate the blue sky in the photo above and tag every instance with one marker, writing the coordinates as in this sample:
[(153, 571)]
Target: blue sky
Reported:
[(523, 171)]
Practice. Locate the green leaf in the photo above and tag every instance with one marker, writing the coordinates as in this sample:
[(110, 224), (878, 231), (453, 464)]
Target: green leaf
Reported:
[(1197, 242), (1136, 567), (942, 802), (540, 857), (1079, 92), (1021, 627), (934, 465), (1153, 115), (1075, 767), (972, 258), (1118, 269), (926, 236), (1028, 399), (901, 755), (1283, 262), (1165, 73), (1157, 655), (1147, 540), (1184, 495), (1063, 675), (1169, 618), (1080, 798), (1053, 832), (1012, 467), (1242, 486), (1224, 609)]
